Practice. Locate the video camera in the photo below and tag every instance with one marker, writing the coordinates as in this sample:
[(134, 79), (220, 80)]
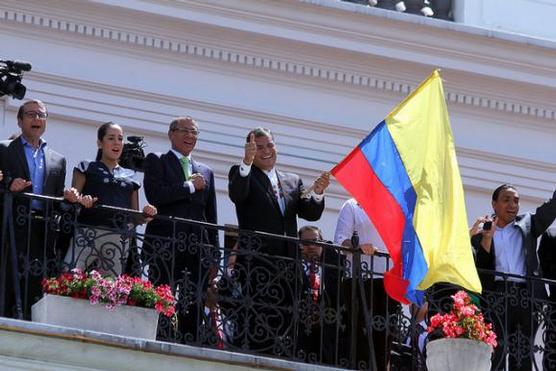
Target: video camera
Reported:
[(133, 155), (11, 73)]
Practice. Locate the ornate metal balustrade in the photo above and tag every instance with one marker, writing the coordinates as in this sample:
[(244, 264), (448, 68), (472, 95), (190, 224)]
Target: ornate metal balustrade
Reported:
[(256, 295)]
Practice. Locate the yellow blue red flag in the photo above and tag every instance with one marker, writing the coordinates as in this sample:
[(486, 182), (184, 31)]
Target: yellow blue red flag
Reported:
[(405, 176)]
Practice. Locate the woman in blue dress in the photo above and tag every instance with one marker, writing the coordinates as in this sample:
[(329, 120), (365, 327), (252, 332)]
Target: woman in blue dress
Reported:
[(102, 240)]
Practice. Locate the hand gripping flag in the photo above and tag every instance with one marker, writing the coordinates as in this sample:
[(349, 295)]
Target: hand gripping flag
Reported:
[(405, 176)]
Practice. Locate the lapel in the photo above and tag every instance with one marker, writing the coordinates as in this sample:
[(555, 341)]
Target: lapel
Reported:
[(20, 155), (261, 179), (175, 164), (47, 164), (194, 167)]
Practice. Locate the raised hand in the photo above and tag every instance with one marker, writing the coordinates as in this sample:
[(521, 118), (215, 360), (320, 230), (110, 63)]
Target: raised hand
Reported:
[(321, 183), (250, 150)]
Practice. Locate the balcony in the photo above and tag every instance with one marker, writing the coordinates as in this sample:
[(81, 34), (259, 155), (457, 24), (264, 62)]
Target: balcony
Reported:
[(247, 301)]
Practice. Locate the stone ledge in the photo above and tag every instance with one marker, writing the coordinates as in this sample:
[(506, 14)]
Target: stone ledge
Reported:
[(53, 347)]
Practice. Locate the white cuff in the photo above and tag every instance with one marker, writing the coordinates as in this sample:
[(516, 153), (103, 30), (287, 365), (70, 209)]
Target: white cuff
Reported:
[(316, 196), (244, 170), (189, 184)]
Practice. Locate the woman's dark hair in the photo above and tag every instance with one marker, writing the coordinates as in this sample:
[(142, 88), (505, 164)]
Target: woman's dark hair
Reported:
[(101, 133)]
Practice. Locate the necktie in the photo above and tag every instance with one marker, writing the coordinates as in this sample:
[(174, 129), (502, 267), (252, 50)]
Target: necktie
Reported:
[(185, 166), (214, 314), (314, 280)]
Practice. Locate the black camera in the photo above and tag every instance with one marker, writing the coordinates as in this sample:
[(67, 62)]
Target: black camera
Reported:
[(133, 155), (487, 225), (11, 73)]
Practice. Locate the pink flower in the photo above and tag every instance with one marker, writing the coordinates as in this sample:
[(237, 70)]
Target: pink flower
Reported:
[(464, 321), (123, 290)]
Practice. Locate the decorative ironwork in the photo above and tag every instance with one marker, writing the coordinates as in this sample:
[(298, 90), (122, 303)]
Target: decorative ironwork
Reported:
[(247, 299)]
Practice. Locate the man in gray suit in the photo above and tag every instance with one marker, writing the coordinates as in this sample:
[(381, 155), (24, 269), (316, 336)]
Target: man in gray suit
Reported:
[(30, 165)]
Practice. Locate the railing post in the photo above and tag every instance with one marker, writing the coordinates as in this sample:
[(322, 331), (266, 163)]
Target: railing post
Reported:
[(9, 250), (355, 275)]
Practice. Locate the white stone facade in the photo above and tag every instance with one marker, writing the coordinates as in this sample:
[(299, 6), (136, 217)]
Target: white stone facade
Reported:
[(320, 73)]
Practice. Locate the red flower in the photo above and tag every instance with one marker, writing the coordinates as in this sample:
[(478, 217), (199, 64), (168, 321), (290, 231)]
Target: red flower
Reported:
[(464, 321)]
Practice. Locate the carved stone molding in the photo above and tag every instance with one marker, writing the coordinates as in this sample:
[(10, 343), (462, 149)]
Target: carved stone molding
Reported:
[(264, 64)]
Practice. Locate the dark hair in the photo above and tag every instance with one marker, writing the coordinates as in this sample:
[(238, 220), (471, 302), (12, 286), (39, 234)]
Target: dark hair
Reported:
[(101, 133), (308, 228), (260, 132), (503, 187), (21, 109)]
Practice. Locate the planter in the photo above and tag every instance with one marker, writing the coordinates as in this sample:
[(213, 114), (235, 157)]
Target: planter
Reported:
[(458, 354), (124, 320)]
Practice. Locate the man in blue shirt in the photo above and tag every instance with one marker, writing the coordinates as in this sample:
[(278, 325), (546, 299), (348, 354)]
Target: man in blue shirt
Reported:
[(30, 165)]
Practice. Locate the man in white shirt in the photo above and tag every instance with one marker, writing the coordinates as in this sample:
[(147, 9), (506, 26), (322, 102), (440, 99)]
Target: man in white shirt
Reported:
[(352, 218), (508, 244)]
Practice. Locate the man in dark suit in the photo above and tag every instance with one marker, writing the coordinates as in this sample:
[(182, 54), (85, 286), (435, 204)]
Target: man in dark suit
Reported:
[(180, 253), (268, 200), (509, 245), (30, 165), (321, 275), (547, 257)]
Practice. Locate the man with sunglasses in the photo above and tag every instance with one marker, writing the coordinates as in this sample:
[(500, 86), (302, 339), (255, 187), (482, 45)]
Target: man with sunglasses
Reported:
[(180, 253), (30, 165)]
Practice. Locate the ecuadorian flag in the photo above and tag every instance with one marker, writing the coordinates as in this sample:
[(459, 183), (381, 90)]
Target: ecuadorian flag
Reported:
[(405, 176)]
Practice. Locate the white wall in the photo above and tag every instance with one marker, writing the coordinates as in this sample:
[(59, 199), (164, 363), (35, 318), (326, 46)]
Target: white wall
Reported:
[(528, 17), (320, 73)]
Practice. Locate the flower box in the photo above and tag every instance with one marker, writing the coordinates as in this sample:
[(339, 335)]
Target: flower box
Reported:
[(458, 354), (124, 320)]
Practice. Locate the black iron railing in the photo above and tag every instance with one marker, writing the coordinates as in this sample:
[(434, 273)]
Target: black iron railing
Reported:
[(246, 298)]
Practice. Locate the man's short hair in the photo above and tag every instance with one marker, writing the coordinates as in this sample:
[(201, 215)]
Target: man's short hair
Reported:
[(308, 228), (503, 187), (176, 121), (260, 132), (22, 107)]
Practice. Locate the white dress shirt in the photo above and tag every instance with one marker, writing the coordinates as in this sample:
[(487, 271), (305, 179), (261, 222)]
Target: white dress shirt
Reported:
[(353, 218), (509, 252), (244, 170)]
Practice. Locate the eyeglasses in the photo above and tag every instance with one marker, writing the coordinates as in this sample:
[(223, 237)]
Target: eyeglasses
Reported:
[(186, 131), (269, 145), (33, 114)]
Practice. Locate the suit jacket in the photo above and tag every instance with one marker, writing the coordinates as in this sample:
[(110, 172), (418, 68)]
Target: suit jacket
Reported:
[(257, 208), (531, 226), (15, 165), (547, 257), (164, 188)]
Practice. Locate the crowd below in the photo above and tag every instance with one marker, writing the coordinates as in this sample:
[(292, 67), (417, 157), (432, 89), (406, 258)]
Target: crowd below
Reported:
[(298, 296)]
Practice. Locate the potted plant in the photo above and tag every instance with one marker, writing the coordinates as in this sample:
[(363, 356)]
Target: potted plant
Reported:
[(465, 341), (133, 304)]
